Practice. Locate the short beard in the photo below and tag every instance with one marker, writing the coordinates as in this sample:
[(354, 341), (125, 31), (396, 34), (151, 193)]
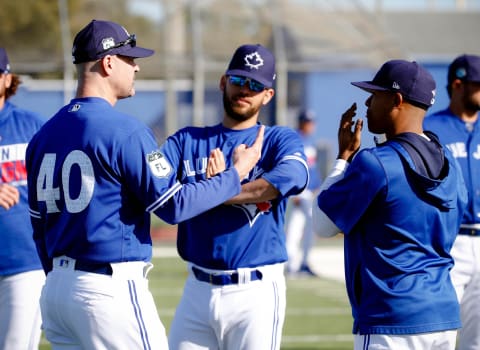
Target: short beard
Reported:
[(471, 105), (227, 105)]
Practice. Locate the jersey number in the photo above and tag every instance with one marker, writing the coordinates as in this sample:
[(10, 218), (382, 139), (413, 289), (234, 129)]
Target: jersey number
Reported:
[(49, 194)]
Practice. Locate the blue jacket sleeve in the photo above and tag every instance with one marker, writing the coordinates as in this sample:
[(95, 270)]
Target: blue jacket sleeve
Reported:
[(195, 198)]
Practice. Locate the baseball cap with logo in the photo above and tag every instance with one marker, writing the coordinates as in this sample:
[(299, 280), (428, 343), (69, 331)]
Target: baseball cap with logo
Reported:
[(466, 68), (255, 62), (4, 62), (410, 79), (101, 38)]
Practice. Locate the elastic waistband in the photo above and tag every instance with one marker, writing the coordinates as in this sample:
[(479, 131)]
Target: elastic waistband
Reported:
[(125, 270), (238, 276), (469, 231)]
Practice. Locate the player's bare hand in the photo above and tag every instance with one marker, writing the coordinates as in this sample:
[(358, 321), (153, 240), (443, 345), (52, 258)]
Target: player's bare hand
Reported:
[(245, 157), (9, 196), (216, 163), (349, 134)]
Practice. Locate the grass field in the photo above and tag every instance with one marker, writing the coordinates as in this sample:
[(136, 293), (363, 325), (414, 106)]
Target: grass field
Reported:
[(317, 317)]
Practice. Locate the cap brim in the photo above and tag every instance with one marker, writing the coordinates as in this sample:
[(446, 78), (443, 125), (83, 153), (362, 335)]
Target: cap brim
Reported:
[(251, 75), (135, 52), (368, 86)]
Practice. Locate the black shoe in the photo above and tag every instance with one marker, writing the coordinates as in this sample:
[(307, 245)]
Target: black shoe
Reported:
[(305, 269)]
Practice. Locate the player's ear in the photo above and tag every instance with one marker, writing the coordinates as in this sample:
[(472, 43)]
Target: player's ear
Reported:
[(269, 93), (107, 63), (223, 82), (397, 99), (8, 80)]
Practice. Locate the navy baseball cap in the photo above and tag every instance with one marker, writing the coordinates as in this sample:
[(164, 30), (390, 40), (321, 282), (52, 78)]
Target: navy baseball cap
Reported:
[(255, 62), (306, 116), (466, 68), (4, 62), (410, 79), (101, 38)]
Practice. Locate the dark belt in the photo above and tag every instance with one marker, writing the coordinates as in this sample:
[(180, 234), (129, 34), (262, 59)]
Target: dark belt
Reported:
[(223, 279), (94, 267), (469, 232)]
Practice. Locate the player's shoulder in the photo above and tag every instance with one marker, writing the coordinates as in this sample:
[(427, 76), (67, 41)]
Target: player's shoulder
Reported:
[(196, 132), (440, 117), (370, 158), (280, 131), (25, 116)]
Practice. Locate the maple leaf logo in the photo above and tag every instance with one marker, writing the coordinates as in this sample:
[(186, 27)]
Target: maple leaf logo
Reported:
[(253, 60), (264, 206)]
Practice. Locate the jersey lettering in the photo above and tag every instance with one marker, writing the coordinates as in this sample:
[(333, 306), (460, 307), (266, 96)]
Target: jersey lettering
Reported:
[(46, 192), (199, 168), (88, 181), (476, 154), (458, 149), (13, 172), (13, 152), (12, 164)]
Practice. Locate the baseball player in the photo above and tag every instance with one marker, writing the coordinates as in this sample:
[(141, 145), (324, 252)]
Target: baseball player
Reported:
[(457, 127), (21, 274), (300, 236), (234, 296), (399, 205), (95, 175)]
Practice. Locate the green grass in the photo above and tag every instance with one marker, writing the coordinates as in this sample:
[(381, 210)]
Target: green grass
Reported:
[(317, 316)]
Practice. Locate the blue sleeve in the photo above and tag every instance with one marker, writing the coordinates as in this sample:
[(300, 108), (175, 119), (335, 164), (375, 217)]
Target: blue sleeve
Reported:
[(38, 228), (347, 200), (195, 198), (289, 175), (155, 178)]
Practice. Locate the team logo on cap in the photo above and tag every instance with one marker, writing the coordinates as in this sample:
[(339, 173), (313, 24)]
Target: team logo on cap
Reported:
[(253, 60), (158, 164), (108, 43), (461, 73), (432, 101)]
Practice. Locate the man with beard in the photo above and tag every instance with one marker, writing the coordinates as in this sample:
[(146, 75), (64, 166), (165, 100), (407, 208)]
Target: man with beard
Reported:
[(234, 296), (21, 273), (458, 129)]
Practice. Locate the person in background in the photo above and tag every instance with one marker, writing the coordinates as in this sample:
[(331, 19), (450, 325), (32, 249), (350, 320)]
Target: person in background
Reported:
[(235, 293), (21, 273), (458, 129), (399, 206), (300, 236), (95, 176)]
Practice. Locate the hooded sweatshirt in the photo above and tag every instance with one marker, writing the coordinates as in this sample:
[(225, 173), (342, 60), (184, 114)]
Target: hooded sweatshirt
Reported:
[(399, 205)]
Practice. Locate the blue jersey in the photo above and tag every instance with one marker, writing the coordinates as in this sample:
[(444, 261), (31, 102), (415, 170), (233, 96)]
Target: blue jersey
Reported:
[(234, 236), (399, 228), (463, 139), (94, 177), (17, 248)]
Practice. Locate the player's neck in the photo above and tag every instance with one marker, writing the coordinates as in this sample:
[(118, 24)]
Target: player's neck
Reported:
[(234, 124)]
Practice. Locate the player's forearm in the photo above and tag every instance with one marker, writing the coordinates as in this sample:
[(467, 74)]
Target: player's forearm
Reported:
[(256, 191), (322, 225)]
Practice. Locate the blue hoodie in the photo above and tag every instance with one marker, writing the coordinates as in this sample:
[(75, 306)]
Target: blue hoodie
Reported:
[(400, 205)]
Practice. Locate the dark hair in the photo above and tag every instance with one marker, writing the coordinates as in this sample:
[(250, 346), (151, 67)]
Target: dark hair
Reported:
[(12, 90)]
